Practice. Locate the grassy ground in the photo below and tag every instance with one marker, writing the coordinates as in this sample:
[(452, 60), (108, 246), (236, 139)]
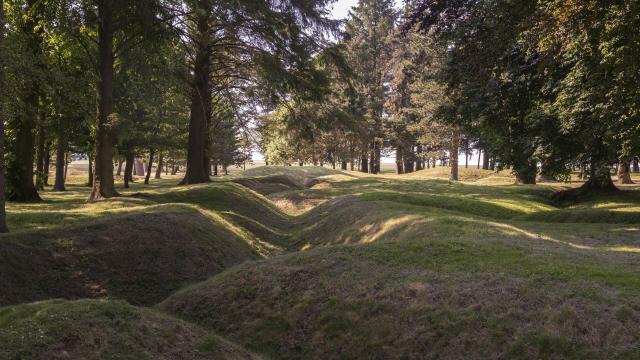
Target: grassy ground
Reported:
[(325, 264)]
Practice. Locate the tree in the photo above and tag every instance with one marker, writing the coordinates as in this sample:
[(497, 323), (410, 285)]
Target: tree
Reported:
[(263, 41), (3, 213), (367, 37), (28, 41)]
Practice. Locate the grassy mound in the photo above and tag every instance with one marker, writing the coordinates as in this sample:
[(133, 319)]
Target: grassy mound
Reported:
[(470, 174), (267, 185), (90, 329), (417, 299), (305, 175), (140, 257)]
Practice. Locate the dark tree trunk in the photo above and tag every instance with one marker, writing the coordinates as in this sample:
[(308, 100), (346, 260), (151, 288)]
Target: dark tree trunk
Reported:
[(3, 213), (408, 165), (175, 169), (492, 164), (624, 171), (526, 173), (635, 166), (485, 160), (149, 166), (343, 165), (41, 153), (200, 100), (61, 162), (479, 156), (455, 150), (128, 168), (119, 170), (399, 160), (377, 159), (160, 165), (90, 180), (215, 169), (19, 175), (103, 179), (364, 164)]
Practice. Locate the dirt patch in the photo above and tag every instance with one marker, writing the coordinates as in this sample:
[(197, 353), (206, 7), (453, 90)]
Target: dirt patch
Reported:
[(138, 257)]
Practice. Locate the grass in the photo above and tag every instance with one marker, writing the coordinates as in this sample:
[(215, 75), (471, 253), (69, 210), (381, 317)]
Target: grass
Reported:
[(311, 262), (90, 329)]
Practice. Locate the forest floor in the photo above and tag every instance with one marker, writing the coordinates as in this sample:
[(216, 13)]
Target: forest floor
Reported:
[(304, 262)]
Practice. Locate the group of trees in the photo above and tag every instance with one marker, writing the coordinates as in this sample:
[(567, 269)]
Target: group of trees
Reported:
[(173, 81), (539, 87), (542, 88)]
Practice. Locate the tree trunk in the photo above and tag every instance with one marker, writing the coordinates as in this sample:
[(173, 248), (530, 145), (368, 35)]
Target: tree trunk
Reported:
[(479, 156), (149, 166), (175, 169), (128, 168), (485, 160), (526, 174), (3, 213), (364, 164), (60, 162), (343, 165), (624, 171), (455, 149), (160, 164), (419, 158), (119, 171), (90, 180), (200, 100), (103, 180), (399, 160), (139, 166), (636, 165), (40, 153)]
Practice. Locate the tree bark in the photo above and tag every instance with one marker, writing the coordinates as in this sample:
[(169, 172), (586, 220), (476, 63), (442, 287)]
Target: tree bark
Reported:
[(344, 165), (149, 166), (61, 161), (90, 180), (19, 176), (3, 212), (103, 179), (139, 166), (364, 164), (119, 170), (455, 149), (485, 160), (128, 168), (624, 171), (399, 160), (526, 174), (197, 162), (40, 153), (160, 164)]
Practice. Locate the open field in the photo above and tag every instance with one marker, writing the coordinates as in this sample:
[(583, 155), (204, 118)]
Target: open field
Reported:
[(304, 262)]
